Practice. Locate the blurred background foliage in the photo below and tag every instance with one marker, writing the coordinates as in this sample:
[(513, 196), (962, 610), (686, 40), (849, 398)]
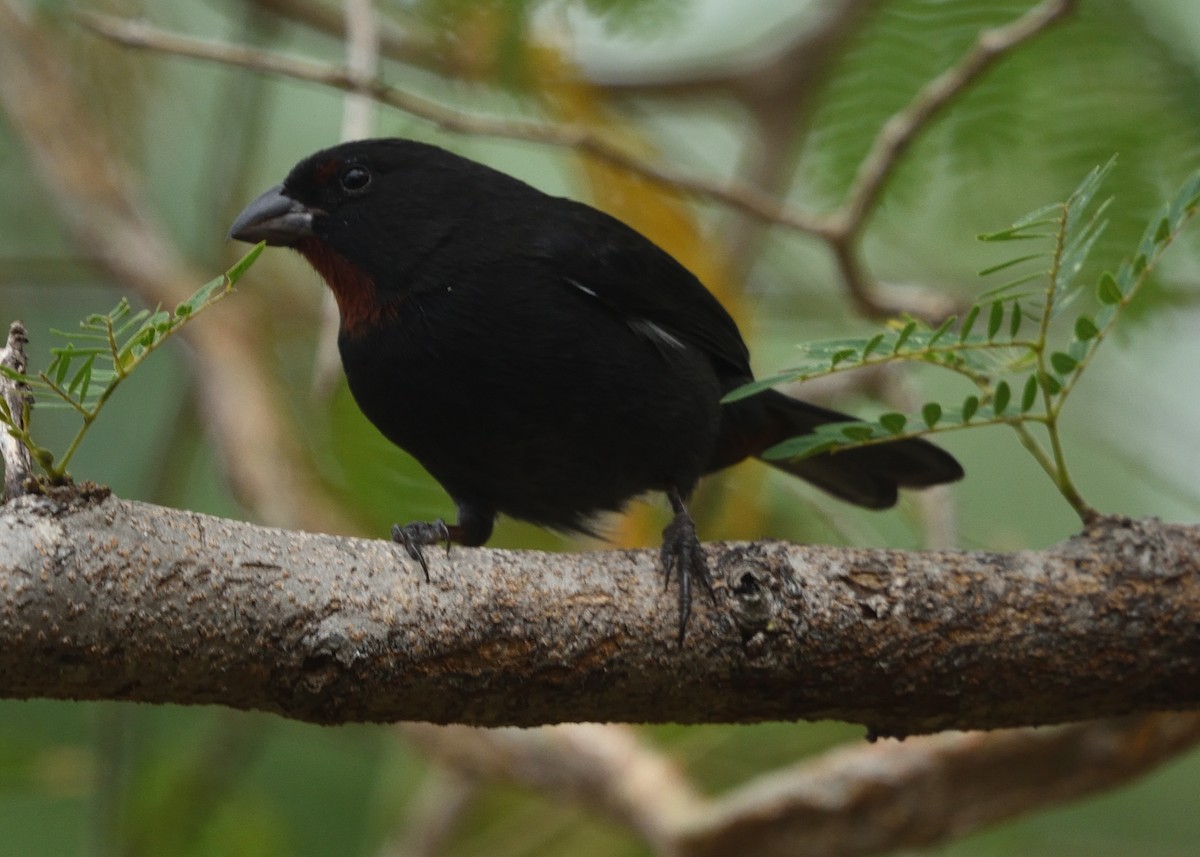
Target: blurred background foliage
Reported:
[(1119, 77)]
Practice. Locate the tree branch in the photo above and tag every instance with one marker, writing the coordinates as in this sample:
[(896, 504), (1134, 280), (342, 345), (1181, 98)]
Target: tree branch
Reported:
[(102, 598), (886, 797), (850, 801)]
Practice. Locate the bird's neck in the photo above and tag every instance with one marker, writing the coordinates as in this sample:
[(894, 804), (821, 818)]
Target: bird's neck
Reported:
[(360, 302)]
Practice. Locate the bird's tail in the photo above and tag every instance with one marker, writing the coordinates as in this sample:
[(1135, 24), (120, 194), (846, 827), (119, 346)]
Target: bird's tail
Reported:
[(869, 476)]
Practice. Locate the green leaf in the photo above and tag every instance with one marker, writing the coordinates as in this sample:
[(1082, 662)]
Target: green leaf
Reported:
[(1010, 263), (871, 345), (968, 323), (1011, 234), (62, 364), (1063, 363), (1001, 397), (1076, 253), (842, 356), (803, 446), (1085, 329), (995, 319), (1040, 216), (1125, 278), (1047, 215), (216, 287), (1164, 231), (82, 379), (1185, 200), (931, 413), (1108, 291), (893, 422), (941, 330), (756, 387), (858, 431), (133, 321), (1008, 291), (905, 333), (1050, 383), (87, 337), (1082, 195), (243, 265), (160, 321), (119, 311), (1029, 394), (969, 406), (1014, 326)]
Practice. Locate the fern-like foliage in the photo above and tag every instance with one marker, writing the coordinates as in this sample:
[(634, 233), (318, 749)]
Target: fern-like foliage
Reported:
[(85, 371), (1003, 343)]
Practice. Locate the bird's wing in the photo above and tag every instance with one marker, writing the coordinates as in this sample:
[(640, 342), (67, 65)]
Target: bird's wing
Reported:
[(604, 260)]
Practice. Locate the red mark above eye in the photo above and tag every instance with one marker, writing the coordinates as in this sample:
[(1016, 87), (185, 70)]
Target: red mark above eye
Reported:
[(327, 171)]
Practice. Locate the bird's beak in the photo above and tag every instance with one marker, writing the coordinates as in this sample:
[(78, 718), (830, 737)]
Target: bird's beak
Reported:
[(275, 218)]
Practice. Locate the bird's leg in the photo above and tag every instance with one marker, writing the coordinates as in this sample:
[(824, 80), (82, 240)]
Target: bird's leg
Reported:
[(681, 551), (473, 529), (415, 534)]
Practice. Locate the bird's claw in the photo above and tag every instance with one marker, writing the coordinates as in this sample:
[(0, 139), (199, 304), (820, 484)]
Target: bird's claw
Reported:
[(418, 534), (682, 552)]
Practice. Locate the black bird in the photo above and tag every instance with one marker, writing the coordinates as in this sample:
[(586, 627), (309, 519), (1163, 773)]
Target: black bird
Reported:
[(538, 357)]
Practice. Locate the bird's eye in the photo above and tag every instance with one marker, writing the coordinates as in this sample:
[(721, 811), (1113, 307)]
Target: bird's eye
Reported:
[(354, 179)]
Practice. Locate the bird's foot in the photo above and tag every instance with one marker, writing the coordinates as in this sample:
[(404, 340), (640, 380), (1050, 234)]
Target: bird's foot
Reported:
[(681, 552), (417, 534)]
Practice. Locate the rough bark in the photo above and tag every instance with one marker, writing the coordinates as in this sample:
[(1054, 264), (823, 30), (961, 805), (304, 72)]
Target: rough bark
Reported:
[(18, 466), (102, 598)]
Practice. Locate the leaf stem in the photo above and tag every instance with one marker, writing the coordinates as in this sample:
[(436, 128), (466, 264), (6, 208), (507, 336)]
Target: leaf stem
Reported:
[(1054, 467)]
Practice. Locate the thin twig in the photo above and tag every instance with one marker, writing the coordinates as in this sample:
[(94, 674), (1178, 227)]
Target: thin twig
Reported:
[(844, 227), (405, 41), (781, 92), (902, 128), (140, 35)]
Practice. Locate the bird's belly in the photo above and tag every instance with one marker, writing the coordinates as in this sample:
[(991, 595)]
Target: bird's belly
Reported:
[(548, 424)]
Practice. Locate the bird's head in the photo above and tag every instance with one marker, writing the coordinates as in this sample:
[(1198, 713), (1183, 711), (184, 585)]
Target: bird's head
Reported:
[(362, 214)]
